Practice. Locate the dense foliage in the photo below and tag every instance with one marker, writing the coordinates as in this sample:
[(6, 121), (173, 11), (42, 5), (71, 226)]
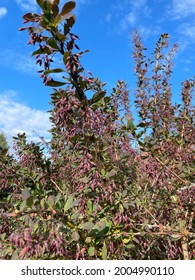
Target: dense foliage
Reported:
[(108, 187), (3, 142)]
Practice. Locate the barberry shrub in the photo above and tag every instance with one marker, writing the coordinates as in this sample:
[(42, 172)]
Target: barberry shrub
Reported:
[(108, 187)]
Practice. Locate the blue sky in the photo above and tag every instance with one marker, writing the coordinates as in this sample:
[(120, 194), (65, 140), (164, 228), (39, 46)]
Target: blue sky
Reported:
[(104, 28)]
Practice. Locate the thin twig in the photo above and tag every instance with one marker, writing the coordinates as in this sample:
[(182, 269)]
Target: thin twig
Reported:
[(177, 176), (56, 185), (148, 211)]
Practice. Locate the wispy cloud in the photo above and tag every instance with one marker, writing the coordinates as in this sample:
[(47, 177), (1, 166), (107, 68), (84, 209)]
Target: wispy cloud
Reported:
[(148, 31), (25, 63), (28, 5), (132, 11), (21, 62), (3, 11), (187, 30), (183, 12), (129, 14), (181, 9), (16, 117), (128, 20)]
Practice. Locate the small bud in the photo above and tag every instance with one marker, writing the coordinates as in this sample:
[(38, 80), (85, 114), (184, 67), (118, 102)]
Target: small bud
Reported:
[(25, 21), (22, 28)]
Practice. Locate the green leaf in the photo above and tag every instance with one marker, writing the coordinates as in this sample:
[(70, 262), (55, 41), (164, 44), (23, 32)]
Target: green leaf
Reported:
[(88, 225), (121, 208), (100, 229), (68, 7), (104, 252), (91, 251), (182, 223), (124, 193), (175, 237), (36, 227), (3, 152), (51, 201), (69, 203), (88, 240), (97, 96), (142, 124), (35, 30), (74, 138), (23, 205), (29, 202), (65, 56), (47, 7), (25, 193), (46, 50), (58, 196), (14, 256), (60, 36), (52, 43), (103, 172), (75, 236), (127, 240), (59, 18), (110, 174), (56, 70), (147, 139), (130, 125), (85, 180), (42, 202), (139, 134), (40, 3), (141, 143), (53, 83), (90, 206)]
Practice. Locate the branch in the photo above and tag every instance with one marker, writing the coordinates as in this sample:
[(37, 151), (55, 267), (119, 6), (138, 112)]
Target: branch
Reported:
[(177, 176), (56, 185)]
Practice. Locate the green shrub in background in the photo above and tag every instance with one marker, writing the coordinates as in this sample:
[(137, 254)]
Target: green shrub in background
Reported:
[(3, 142)]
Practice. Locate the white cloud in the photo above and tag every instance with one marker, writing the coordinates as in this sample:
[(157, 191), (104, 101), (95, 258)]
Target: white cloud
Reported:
[(25, 63), (128, 20), (3, 11), (108, 17), (28, 5), (16, 117), (186, 69), (19, 61), (128, 14), (181, 8), (188, 30), (147, 32), (131, 18), (137, 4)]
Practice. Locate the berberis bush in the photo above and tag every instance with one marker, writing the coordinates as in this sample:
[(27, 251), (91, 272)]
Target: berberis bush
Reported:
[(108, 187)]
